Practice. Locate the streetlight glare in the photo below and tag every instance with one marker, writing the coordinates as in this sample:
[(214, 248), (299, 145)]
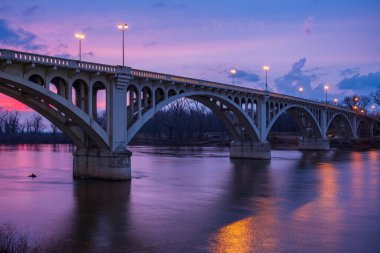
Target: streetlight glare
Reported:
[(335, 100), (233, 71), (266, 68), (122, 27), (326, 87), (79, 36), (300, 89)]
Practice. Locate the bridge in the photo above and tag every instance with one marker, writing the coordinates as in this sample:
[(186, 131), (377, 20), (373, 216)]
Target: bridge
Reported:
[(133, 97)]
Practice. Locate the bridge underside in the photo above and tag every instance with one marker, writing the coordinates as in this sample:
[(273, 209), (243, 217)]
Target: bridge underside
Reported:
[(134, 96)]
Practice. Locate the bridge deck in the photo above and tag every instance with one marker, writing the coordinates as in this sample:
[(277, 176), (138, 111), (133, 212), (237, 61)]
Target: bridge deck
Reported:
[(10, 55)]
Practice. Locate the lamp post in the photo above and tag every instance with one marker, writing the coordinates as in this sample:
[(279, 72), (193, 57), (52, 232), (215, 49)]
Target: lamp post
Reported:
[(266, 68), (233, 73), (335, 101), (80, 37), (300, 89), (122, 28), (326, 88)]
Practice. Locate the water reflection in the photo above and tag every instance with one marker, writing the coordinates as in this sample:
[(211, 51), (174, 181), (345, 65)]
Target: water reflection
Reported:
[(99, 220), (198, 200)]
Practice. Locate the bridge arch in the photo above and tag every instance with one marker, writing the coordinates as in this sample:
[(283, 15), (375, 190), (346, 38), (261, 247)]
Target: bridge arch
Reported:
[(345, 120), (363, 128), (308, 115), (208, 99), (76, 124)]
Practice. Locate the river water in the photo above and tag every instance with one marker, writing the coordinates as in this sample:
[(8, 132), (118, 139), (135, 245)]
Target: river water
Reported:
[(197, 200)]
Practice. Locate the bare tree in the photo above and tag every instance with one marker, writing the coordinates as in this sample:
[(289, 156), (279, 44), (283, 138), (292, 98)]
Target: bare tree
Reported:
[(37, 124), (376, 96), (357, 102)]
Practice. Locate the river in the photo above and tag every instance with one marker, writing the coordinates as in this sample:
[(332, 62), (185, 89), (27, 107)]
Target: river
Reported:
[(197, 200)]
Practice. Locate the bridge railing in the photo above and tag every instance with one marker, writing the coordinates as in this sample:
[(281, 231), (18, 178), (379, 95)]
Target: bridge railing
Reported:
[(54, 61), (96, 67)]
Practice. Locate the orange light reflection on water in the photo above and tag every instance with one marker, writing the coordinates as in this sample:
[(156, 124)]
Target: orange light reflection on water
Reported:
[(253, 233)]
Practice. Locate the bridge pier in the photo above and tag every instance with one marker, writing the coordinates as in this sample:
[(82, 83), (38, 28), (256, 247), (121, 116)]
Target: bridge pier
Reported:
[(315, 144), (260, 151), (102, 165)]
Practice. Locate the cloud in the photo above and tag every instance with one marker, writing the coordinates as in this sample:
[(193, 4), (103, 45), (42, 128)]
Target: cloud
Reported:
[(31, 10), (349, 72), (18, 38), (151, 44), (308, 25), (159, 5), (64, 55), (297, 77), (361, 82), (89, 54), (242, 75)]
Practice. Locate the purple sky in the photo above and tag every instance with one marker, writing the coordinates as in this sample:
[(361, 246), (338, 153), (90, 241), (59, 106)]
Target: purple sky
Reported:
[(306, 43)]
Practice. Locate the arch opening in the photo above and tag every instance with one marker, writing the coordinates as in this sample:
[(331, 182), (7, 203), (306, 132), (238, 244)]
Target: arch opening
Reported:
[(99, 104), (292, 123), (79, 94), (238, 122), (37, 79), (59, 86), (339, 127)]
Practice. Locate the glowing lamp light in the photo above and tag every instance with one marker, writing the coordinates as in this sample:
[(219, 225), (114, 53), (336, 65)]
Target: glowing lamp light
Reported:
[(266, 68), (79, 36), (335, 100), (233, 71), (355, 107), (300, 89), (122, 27), (326, 87), (356, 99), (361, 111)]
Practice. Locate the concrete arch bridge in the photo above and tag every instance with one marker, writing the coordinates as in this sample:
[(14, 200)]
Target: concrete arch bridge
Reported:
[(134, 96)]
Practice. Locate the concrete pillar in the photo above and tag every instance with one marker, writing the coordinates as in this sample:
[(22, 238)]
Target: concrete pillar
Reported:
[(153, 98), (69, 91), (113, 163), (314, 144), (248, 150), (89, 98), (102, 165), (139, 104), (118, 109), (324, 123), (262, 118)]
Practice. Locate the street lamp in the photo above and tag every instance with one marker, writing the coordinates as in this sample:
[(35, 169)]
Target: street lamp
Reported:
[(123, 28), (300, 89), (355, 107), (80, 37), (335, 101), (233, 73), (266, 68), (326, 88)]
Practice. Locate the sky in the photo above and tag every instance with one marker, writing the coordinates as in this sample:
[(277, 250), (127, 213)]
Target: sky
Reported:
[(306, 43)]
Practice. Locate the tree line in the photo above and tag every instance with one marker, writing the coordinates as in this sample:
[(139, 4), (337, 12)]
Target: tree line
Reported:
[(32, 130), (184, 121)]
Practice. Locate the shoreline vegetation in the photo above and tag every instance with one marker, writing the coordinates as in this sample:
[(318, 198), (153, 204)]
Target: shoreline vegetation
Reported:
[(182, 123), (12, 240)]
